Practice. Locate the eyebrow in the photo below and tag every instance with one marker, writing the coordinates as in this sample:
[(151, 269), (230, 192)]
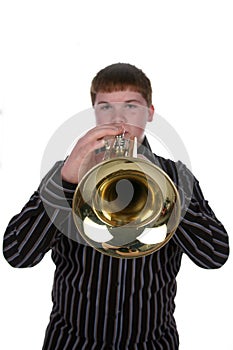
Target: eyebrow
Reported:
[(127, 101)]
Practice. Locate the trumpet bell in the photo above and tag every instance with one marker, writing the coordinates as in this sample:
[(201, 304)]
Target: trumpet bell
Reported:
[(126, 207)]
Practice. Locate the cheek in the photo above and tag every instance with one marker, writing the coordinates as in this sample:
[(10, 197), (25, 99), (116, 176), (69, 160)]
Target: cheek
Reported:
[(136, 131), (137, 121), (136, 126), (99, 120), (104, 118)]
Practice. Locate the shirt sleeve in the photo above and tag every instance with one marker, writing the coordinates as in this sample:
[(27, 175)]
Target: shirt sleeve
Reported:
[(34, 231), (200, 234)]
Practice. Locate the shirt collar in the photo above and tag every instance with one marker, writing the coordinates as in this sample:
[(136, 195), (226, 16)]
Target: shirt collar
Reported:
[(145, 149)]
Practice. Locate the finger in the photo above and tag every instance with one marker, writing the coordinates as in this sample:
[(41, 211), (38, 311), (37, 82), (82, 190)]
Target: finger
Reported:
[(105, 130), (94, 139)]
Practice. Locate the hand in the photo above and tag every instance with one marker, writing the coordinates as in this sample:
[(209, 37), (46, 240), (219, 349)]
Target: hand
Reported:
[(82, 157)]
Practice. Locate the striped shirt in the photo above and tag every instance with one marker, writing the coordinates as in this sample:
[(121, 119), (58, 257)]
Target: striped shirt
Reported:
[(101, 302)]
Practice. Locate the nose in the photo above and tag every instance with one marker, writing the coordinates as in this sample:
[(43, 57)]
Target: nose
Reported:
[(118, 115)]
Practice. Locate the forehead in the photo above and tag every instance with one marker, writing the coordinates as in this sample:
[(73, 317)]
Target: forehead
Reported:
[(120, 96)]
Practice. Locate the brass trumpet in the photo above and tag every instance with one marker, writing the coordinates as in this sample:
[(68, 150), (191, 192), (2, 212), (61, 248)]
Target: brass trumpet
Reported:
[(126, 207)]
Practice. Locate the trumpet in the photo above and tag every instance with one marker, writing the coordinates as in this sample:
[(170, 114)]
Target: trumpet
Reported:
[(125, 206)]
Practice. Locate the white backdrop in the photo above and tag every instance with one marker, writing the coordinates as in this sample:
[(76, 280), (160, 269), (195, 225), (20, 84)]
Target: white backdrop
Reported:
[(50, 50)]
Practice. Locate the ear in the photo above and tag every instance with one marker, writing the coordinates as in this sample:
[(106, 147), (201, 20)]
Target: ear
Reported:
[(151, 111)]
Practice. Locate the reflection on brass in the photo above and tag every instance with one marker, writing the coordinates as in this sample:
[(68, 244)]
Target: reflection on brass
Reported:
[(126, 207)]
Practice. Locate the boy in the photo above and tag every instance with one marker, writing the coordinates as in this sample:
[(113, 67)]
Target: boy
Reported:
[(100, 302)]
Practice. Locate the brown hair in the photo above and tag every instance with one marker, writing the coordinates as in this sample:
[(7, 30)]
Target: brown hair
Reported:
[(121, 76)]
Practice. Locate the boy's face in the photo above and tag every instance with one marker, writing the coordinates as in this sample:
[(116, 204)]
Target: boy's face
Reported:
[(125, 107)]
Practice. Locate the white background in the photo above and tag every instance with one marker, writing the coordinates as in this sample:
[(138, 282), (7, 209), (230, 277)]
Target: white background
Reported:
[(50, 50)]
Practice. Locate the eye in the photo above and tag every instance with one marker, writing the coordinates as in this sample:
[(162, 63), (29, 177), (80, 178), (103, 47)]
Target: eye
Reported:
[(131, 106), (105, 107)]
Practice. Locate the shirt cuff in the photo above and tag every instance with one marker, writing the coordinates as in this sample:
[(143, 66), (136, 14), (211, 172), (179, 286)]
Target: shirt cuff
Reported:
[(54, 191)]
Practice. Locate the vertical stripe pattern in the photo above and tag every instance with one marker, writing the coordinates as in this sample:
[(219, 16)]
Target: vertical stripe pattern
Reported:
[(100, 302)]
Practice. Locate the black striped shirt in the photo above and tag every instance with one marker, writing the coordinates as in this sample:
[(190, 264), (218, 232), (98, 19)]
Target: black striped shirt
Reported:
[(100, 302)]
